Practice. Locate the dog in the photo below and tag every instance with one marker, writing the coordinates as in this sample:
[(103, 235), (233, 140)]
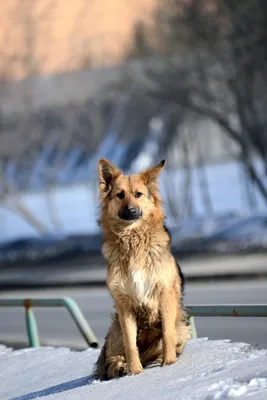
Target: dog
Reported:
[(150, 325)]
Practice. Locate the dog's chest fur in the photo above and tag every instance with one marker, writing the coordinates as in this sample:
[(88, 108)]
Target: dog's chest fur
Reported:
[(135, 264), (140, 286)]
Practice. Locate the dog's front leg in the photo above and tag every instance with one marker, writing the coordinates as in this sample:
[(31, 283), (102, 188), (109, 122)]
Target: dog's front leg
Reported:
[(129, 330), (168, 315)]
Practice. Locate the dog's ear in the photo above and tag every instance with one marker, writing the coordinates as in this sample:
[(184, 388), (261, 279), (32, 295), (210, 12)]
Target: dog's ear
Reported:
[(150, 178), (151, 175), (107, 173)]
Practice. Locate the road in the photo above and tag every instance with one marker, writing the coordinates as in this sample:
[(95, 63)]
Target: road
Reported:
[(57, 328)]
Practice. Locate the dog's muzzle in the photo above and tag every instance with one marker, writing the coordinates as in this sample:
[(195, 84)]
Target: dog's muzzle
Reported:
[(130, 213)]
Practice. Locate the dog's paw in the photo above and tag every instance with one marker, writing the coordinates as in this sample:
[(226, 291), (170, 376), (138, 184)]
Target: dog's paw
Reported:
[(135, 368), (117, 368), (169, 359)]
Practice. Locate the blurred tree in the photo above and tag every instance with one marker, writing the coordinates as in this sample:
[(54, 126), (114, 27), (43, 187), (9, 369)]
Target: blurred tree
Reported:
[(140, 47), (211, 59), (20, 56)]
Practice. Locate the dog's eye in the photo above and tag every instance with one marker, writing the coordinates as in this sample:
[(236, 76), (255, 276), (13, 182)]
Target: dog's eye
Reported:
[(120, 195), (138, 194)]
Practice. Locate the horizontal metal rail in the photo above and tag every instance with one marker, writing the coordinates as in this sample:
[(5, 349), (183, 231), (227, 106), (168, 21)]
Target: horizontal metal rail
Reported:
[(224, 310), (227, 310), (66, 302)]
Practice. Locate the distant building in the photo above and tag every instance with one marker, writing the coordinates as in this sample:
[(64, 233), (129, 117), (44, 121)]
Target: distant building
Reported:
[(47, 37)]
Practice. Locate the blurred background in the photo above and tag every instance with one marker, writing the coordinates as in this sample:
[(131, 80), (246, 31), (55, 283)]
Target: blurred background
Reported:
[(134, 82)]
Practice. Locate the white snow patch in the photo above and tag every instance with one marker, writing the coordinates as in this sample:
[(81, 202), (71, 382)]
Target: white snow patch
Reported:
[(231, 388), (207, 370)]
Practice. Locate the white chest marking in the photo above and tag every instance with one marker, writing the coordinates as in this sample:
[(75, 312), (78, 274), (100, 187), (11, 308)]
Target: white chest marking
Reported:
[(142, 287)]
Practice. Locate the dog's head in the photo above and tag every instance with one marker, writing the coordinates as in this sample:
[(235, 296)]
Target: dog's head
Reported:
[(128, 199)]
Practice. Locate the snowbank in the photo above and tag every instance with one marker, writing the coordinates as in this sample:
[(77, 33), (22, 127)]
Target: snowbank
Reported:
[(227, 187), (207, 370)]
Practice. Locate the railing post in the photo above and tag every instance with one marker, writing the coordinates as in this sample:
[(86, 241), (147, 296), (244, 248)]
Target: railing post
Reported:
[(81, 322), (193, 328), (32, 329)]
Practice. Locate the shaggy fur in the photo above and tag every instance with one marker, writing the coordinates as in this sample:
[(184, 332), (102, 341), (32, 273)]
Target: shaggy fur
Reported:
[(142, 275)]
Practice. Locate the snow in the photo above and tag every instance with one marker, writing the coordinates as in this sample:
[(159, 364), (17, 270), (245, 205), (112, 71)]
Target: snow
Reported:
[(207, 370), (226, 190)]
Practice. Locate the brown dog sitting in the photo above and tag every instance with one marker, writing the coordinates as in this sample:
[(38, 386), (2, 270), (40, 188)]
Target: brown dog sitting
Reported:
[(142, 275)]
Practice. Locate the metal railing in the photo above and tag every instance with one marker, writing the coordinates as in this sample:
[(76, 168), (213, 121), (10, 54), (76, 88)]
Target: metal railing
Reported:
[(68, 303), (224, 310)]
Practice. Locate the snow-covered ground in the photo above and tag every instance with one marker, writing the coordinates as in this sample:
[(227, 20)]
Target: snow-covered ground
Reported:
[(206, 370)]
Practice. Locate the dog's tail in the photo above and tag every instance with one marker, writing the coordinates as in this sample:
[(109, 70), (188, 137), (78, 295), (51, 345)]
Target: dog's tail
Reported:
[(99, 371)]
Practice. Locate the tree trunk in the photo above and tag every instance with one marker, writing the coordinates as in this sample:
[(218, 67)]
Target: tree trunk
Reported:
[(23, 211), (53, 211), (254, 176)]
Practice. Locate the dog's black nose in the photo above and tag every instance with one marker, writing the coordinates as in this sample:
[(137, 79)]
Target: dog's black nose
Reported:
[(130, 213)]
